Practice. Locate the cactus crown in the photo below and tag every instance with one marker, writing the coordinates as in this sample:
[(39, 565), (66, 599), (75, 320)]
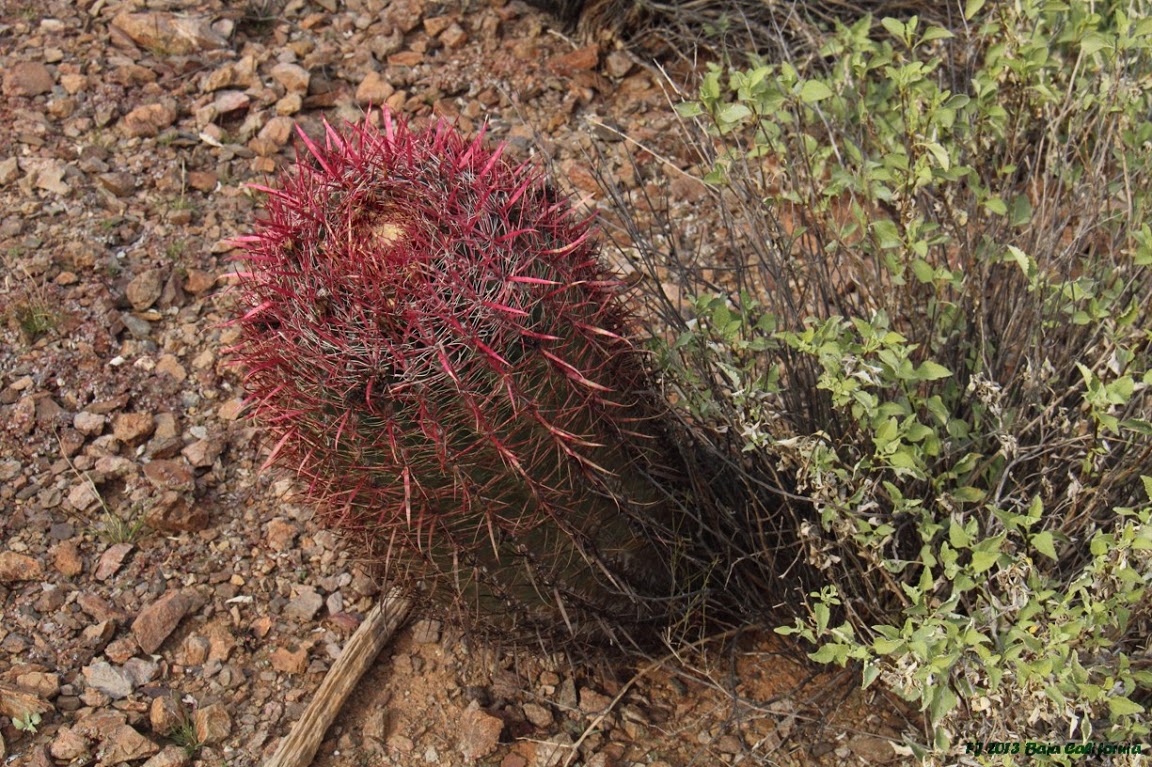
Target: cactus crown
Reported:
[(440, 353)]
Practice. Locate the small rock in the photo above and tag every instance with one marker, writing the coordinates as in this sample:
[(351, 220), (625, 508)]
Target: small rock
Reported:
[(278, 130), (512, 759), (141, 670), (83, 496), (28, 78), (293, 77), (580, 60), (201, 181), (68, 746), (280, 534), (156, 621), (304, 605), (618, 64), (194, 651), (426, 631), (169, 756), (98, 634), (373, 89), (113, 682), (67, 559), (111, 561), (872, 750), (198, 280), (454, 36), (119, 183), (19, 567), (553, 751), (231, 101), (148, 120), (145, 289), (479, 734), (44, 685), (173, 513), (170, 366), (213, 724), (538, 715), (231, 409), (89, 424), (593, 703), (167, 34), (436, 24), (290, 661), (204, 452), (166, 714), (133, 428), (124, 744), (122, 650), (169, 474)]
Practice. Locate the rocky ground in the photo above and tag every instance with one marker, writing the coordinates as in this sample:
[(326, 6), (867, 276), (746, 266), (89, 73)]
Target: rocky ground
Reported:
[(166, 603)]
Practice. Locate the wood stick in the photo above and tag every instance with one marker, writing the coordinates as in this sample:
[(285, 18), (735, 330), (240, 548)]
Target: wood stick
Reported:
[(299, 747)]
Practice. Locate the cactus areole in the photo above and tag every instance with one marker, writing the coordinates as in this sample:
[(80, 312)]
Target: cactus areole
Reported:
[(431, 339)]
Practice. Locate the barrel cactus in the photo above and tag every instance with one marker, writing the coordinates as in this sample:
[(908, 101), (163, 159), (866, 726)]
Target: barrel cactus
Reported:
[(433, 343)]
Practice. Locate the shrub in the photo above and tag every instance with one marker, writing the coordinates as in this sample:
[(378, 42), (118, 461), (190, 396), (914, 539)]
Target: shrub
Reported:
[(431, 337), (919, 338)]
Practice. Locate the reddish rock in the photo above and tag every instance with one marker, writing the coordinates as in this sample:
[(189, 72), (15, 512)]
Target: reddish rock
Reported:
[(580, 60), (203, 453), (166, 714), (145, 289), (19, 567), (111, 561), (169, 474), (373, 89), (173, 513), (278, 130), (454, 36), (170, 756), (159, 619), (203, 181), (293, 77), (479, 734), (28, 78), (148, 120), (280, 534), (69, 746), (213, 724), (168, 34), (198, 280), (67, 559), (124, 744), (290, 661), (89, 424), (133, 428)]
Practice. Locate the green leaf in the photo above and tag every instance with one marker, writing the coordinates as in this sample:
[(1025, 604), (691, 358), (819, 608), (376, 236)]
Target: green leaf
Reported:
[(1045, 544), (995, 205), (689, 109), (871, 671), (1147, 486), (942, 703), (894, 26), (971, 8), (826, 654), (1093, 42), (983, 560), (935, 33), (814, 90), (968, 494), (732, 113), (931, 371), (1124, 707)]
